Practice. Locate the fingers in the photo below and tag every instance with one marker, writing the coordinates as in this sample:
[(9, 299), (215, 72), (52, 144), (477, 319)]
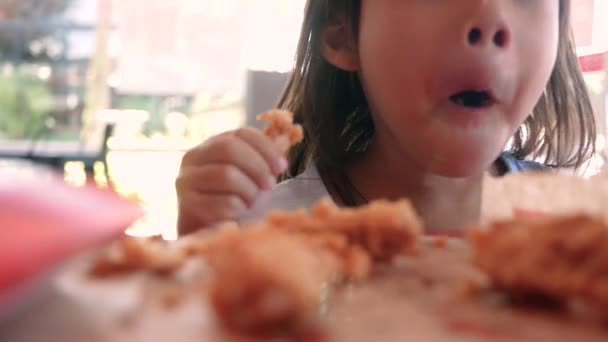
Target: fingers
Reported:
[(265, 147), (229, 149), (200, 211), (221, 179)]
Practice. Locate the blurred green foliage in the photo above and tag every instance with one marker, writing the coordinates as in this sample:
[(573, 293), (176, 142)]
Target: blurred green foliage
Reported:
[(24, 102)]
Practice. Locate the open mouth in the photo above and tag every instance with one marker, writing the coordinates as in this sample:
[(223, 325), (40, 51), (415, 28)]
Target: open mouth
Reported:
[(473, 98)]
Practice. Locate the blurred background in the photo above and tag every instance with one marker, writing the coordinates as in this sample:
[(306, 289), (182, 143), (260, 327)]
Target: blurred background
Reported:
[(123, 87)]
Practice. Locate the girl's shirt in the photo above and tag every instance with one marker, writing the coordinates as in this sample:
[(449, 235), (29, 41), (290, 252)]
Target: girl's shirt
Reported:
[(306, 189)]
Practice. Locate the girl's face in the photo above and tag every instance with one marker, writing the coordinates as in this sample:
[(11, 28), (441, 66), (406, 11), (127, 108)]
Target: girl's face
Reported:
[(449, 82)]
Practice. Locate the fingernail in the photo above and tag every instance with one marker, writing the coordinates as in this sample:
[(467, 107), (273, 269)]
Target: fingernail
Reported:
[(282, 165)]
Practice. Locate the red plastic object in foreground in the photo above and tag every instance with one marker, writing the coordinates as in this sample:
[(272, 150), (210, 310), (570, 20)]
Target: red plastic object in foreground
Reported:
[(43, 221)]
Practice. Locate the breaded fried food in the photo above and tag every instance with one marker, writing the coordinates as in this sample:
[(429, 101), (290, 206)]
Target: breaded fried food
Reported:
[(560, 258), (270, 276), (281, 128), (383, 229), (355, 263), (269, 281), (131, 254), (273, 276)]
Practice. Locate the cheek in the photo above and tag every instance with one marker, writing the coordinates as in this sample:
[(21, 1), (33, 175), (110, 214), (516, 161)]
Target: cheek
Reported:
[(393, 81), (537, 61), (392, 72)]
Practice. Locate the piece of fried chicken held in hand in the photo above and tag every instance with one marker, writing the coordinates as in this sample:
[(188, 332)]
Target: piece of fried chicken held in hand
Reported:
[(281, 129)]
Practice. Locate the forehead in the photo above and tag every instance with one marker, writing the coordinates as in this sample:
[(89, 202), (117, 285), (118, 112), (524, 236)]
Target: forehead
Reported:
[(353, 7)]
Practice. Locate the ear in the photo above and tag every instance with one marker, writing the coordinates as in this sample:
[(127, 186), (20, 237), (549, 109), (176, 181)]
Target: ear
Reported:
[(338, 46)]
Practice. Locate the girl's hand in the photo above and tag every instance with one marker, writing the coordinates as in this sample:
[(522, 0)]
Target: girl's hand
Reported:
[(223, 177)]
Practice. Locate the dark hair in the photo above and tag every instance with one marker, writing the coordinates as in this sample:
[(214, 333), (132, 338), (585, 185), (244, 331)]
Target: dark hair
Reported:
[(330, 105)]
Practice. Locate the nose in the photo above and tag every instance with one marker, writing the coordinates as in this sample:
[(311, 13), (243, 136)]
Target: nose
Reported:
[(488, 28), (478, 36)]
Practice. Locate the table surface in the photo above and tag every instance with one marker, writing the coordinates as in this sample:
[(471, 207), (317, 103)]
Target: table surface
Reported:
[(414, 301)]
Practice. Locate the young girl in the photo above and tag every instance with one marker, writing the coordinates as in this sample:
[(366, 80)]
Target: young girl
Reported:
[(406, 98)]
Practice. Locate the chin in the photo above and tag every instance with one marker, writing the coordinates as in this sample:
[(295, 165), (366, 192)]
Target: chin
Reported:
[(464, 164), (458, 170), (465, 155)]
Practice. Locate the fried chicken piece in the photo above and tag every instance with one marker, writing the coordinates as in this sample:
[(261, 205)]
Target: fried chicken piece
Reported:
[(440, 242), (355, 263), (560, 258), (272, 276), (383, 229), (199, 244), (130, 255), (268, 281), (281, 129)]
